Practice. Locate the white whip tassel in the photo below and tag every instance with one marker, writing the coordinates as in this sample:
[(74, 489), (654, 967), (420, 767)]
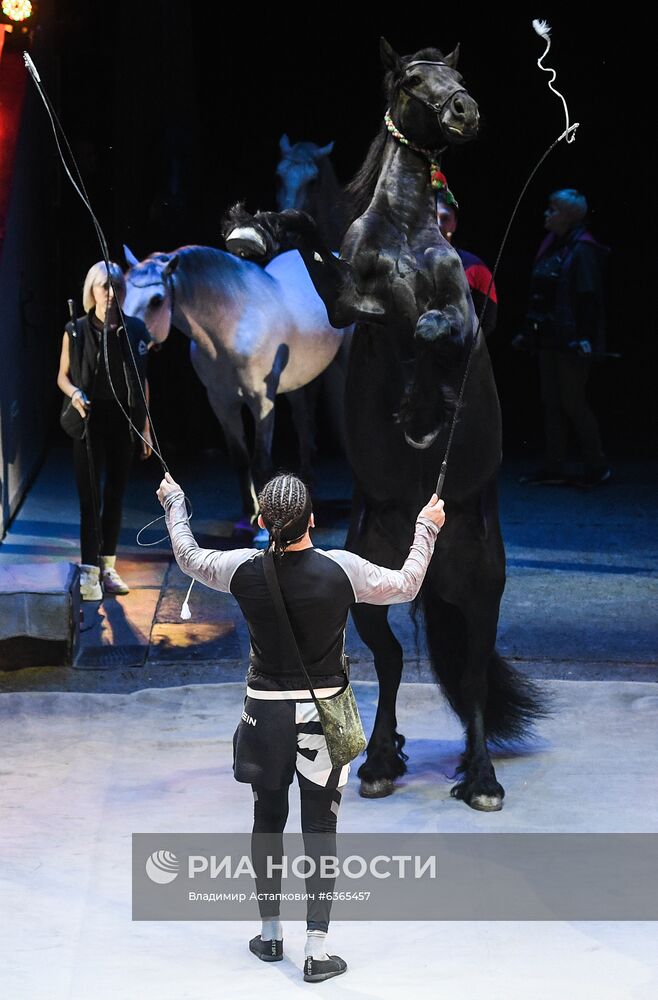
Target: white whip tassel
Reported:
[(185, 612), (543, 29)]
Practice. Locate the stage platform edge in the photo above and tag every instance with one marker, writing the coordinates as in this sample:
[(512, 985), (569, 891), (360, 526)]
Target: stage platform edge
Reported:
[(39, 614)]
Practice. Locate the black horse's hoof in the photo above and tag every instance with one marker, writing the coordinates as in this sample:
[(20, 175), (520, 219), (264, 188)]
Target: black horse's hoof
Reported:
[(424, 442), (483, 793), (377, 789), (486, 803), (246, 241)]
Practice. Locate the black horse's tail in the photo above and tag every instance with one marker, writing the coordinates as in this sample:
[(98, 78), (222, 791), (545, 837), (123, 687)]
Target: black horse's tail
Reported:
[(514, 703)]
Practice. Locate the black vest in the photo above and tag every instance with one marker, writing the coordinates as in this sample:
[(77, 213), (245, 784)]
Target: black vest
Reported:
[(85, 353)]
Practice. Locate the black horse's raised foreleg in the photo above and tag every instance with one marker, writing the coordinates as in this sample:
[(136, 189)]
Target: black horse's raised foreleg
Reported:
[(262, 236), (441, 345), (385, 760)]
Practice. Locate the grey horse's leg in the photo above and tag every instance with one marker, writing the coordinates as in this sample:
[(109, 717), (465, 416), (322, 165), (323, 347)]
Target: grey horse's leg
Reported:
[(229, 414), (302, 404), (262, 410)]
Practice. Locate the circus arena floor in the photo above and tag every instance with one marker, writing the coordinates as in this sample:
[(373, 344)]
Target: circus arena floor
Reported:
[(136, 737)]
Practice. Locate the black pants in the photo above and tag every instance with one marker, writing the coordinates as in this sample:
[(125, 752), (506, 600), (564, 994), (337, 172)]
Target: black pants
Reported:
[(563, 383), (319, 814), (112, 450)]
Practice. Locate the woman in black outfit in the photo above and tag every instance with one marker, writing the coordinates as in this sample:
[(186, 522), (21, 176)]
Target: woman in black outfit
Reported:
[(565, 326), (280, 735), (105, 446)]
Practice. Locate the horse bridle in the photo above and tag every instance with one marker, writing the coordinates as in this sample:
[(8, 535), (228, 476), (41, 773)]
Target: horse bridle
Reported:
[(436, 108), (167, 281)]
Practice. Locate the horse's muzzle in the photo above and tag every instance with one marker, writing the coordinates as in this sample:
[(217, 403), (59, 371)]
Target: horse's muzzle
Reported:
[(461, 119)]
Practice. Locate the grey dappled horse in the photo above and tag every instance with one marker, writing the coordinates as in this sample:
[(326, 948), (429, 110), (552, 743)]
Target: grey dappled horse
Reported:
[(254, 332)]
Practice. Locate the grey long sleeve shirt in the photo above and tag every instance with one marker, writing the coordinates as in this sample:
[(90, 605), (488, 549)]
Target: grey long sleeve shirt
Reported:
[(318, 587)]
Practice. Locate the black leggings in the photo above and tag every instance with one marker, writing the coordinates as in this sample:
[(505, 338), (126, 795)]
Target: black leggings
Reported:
[(112, 450), (319, 814)]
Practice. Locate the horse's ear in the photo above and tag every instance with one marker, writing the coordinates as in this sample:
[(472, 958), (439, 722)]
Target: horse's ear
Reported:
[(284, 144), (171, 265), (453, 58), (323, 151), (390, 58), (131, 260)]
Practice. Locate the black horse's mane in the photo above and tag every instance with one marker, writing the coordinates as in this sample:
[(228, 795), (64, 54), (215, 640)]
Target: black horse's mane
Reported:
[(360, 189)]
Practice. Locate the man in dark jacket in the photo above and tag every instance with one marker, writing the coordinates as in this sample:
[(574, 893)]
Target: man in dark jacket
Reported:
[(565, 326)]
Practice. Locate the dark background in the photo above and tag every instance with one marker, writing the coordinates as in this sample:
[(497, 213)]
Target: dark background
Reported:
[(175, 112)]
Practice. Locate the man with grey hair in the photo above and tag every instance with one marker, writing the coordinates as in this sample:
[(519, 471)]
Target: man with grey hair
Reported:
[(565, 326)]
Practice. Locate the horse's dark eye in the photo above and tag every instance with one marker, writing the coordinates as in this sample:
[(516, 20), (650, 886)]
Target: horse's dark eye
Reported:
[(413, 81), (155, 301)]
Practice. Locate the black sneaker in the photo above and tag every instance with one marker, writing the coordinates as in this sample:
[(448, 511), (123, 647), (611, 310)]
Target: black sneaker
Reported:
[(544, 477), (316, 970), (267, 951), (594, 478)]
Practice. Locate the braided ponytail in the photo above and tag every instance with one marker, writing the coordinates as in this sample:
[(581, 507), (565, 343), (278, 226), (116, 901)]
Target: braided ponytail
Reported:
[(285, 506)]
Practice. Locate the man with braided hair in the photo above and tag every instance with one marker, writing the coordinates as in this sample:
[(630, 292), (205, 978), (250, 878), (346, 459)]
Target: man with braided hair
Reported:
[(285, 506), (280, 734)]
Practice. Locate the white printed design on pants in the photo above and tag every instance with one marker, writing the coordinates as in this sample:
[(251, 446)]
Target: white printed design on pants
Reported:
[(320, 768)]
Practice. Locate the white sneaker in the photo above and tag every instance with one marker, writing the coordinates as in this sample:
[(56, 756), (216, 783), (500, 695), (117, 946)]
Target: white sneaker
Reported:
[(112, 582), (90, 586)]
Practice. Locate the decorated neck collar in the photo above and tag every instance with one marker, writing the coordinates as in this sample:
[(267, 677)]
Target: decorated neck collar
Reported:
[(433, 156)]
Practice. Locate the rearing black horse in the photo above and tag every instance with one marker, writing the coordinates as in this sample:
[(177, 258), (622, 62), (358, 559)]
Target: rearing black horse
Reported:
[(404, 286)]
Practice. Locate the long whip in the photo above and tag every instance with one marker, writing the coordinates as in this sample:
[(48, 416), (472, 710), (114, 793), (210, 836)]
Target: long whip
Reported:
[(543, 30), (79, 186)]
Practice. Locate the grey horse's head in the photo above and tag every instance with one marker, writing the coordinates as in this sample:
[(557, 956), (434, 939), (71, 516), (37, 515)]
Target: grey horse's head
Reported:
[(298, 168), (149, 291)]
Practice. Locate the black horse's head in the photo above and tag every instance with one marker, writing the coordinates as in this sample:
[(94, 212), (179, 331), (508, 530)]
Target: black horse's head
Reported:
[(427, 98)]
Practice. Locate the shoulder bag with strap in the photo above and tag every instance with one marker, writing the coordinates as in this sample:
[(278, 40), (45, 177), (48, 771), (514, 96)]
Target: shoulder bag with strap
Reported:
[(339, 715)]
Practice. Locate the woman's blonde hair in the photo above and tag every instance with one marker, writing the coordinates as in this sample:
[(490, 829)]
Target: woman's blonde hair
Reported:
[(573, 201), (97, 275)]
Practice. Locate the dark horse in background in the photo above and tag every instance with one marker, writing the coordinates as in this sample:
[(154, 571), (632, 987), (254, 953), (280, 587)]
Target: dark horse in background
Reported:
[(405, 288), (305, 180)]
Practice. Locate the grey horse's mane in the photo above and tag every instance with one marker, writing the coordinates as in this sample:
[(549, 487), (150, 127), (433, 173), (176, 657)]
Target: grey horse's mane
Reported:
[(200, 267), (201, 271)]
